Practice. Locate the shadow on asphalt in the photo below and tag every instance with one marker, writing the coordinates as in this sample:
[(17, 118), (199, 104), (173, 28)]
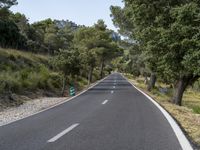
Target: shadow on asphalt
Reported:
[(105, 87)]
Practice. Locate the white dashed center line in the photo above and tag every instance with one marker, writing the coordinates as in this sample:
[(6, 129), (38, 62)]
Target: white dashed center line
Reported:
[(112, 92), (55, 138), (104, 102)]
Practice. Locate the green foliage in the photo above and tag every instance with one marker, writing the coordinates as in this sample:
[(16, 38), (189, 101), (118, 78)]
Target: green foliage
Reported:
[(22, 71), (196, 109), (84, 41), (72, 51), (29, 80), (10, 35), (9, 31), (167, 33), (4, 13), (96, 47), (67, 61), (181, 54), (176, 40), (47, 36), (7, 3), (22, 23)]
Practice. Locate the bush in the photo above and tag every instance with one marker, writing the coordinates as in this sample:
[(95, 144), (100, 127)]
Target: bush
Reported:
[(9, 82), (54, 81), (22, 71), (29, 79)]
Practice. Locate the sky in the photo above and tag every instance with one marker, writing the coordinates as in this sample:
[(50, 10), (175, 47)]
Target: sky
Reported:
[(82, 12)]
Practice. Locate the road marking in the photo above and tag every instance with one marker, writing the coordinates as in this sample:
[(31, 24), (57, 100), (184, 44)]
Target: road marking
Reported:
[(114, 87), (55, 138), (104, 102), (112, 92)]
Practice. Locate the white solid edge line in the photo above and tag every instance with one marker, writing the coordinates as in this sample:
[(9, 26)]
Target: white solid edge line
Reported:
[(67, 100), (185, 144), (55, 138), (104, 102)]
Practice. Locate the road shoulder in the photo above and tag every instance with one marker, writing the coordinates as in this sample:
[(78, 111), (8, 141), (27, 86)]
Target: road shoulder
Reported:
[(184, 142), (36, 106)]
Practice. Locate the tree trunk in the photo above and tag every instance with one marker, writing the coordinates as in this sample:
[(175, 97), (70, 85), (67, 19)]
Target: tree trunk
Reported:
[(101, 69), (152, 82), (90, 75), (145, 80), (180, 88), (64, 85)]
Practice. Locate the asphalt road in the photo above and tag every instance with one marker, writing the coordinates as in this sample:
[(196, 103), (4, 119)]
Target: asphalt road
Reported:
[(113, 115)]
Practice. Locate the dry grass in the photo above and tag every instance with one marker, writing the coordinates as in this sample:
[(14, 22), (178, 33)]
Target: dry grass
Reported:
[(24, 55), (188, 115)]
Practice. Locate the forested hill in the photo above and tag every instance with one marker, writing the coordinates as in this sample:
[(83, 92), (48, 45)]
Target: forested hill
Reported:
[(50, 55), (45, 36)]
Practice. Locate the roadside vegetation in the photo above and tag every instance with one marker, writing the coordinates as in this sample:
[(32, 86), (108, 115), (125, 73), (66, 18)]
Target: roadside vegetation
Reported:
[(45, 58), (163, 41), (24, 74)]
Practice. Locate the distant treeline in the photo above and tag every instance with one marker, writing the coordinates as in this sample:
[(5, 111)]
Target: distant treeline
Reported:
[(45, 36)]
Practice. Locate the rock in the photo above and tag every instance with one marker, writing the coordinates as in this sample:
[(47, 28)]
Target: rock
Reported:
[(163, 90)]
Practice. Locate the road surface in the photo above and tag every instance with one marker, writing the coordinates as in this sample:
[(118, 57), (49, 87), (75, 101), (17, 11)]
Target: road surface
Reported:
[(112, 115)]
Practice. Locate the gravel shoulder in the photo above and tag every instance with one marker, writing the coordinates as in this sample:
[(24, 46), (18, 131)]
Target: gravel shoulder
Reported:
[(33, 106), (28, 108)]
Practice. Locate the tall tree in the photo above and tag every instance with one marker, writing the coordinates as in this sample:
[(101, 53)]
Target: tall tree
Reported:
[(51, 39), (7, 3), (10, 35), (84, 41), (22, 23), (107, 48), (181, 52), (68, 62)]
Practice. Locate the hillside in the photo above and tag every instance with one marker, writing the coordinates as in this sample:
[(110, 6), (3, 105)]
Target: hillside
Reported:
[(27, 74)]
